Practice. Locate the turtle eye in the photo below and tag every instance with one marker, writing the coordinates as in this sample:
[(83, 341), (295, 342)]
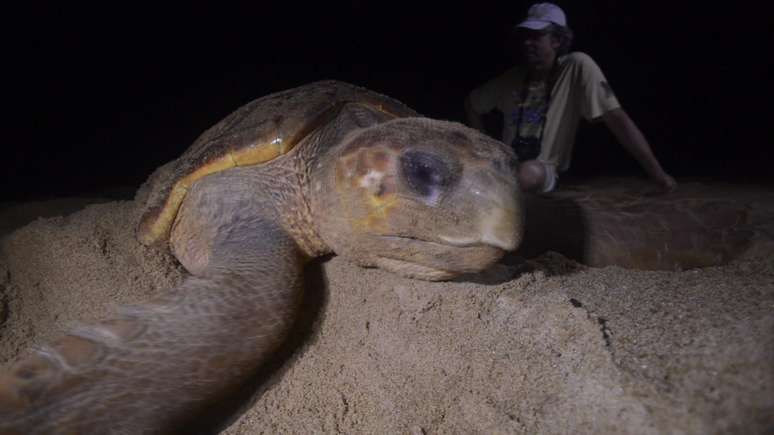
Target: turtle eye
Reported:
[(425, 173)]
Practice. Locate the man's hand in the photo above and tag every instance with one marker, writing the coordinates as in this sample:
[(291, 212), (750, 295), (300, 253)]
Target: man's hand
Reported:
[(666, 183)]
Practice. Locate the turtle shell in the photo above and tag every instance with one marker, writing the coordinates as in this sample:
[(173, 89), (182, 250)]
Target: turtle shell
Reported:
[(256, 133)]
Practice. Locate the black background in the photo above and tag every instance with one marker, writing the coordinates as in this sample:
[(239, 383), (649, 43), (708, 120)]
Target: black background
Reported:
[(96, 97)]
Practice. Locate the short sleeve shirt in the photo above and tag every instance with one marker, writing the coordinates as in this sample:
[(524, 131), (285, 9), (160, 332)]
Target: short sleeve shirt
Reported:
[(579, 91)]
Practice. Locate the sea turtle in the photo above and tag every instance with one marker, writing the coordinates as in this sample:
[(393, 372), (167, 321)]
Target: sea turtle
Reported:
[(325, 167)]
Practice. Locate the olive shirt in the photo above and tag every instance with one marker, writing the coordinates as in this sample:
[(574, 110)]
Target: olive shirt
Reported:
[(579, 90)]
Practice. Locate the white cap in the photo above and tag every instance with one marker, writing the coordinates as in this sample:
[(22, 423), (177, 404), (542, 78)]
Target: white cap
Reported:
[(540, 15)]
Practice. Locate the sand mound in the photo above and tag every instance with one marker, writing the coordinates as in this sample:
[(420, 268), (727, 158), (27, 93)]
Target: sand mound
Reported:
[(544, 345)]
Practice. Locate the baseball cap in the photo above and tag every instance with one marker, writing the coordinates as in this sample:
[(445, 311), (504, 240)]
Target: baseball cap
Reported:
[(540, 15)]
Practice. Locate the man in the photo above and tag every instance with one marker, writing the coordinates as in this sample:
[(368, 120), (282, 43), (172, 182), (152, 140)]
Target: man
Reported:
[(543, 100)]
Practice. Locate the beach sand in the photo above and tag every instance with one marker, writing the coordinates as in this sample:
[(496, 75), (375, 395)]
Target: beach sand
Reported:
[(535, 345)]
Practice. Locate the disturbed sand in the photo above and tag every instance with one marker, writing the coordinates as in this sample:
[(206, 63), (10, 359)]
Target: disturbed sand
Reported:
[(537, 345)]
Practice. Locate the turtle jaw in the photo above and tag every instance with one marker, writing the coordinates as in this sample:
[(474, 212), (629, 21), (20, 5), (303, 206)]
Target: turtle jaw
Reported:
[(433, 261), (413, 270)]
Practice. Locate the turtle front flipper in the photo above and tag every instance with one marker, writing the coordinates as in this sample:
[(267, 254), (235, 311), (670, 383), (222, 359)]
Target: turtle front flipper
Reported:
[(156, 366)]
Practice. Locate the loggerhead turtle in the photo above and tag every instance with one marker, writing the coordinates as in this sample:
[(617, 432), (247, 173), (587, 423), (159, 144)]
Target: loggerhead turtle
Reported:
[(326, 167)]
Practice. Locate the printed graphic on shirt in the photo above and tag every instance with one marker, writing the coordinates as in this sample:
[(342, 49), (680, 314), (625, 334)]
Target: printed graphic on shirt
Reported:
[(528, 116)]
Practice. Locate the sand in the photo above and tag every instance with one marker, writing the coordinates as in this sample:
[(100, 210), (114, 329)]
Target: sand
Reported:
[(540, 345)]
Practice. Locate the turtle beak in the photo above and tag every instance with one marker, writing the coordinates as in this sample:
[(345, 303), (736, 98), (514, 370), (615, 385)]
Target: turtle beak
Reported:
[(500, 225), (497, 214), (500, 218)]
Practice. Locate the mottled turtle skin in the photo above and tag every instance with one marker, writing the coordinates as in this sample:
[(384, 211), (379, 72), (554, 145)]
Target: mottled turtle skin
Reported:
[(326, 167)]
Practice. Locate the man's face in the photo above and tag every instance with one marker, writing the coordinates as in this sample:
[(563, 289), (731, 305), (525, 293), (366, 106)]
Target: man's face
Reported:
[(538, 47)]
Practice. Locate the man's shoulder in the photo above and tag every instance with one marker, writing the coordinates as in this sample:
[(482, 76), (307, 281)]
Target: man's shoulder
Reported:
[(577, 58), (584, 64), (504, 80)]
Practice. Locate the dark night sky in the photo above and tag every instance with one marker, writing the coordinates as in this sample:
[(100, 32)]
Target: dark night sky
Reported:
[(101, 96)]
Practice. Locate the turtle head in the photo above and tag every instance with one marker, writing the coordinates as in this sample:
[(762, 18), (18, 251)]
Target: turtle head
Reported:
[(420, 197)]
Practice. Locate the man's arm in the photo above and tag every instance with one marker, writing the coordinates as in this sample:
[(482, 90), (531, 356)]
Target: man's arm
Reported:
[(632, 139)]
